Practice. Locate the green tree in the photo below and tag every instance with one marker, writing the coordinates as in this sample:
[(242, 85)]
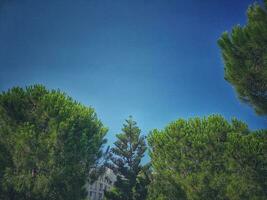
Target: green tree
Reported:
[(48, 144), (208, 158), (126, 163), (245, 56), (143, 180)]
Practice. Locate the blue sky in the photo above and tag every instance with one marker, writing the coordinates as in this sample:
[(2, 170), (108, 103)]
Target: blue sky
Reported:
[(157, 60)]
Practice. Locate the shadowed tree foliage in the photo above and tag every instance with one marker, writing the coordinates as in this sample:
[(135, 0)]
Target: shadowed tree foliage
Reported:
[(245, 56), (208, 158), (48, 144), (132, 177)]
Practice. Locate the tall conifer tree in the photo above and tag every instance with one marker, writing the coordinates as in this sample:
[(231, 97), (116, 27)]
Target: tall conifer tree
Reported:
[(126, 162)]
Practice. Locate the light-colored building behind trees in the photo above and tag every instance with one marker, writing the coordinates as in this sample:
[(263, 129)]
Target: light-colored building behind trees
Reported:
[(105, 182)]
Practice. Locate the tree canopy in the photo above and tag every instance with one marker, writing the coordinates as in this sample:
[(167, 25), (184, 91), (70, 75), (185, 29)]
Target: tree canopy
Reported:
[(48, 144), (208, 158), (244, 53)]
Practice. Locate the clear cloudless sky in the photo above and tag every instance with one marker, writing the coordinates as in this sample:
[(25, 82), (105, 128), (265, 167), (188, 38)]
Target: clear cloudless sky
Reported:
[(157, 60)]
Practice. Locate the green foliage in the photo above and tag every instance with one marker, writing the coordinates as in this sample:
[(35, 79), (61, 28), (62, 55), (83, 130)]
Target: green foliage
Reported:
[(48, 144), (208, 158), (245, 56), (162, 187), (132, 177), (140, 191)]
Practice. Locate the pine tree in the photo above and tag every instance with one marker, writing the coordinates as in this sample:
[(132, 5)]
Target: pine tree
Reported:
[(125, 160), (245, 56), (49, 143), (208, 158)]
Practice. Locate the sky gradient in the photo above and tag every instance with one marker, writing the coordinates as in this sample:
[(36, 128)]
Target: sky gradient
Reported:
[(157, 60)]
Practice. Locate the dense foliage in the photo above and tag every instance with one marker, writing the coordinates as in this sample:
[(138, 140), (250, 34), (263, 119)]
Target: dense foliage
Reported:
[(48, 144), (132, 177), (208, 158), (245, 56)]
